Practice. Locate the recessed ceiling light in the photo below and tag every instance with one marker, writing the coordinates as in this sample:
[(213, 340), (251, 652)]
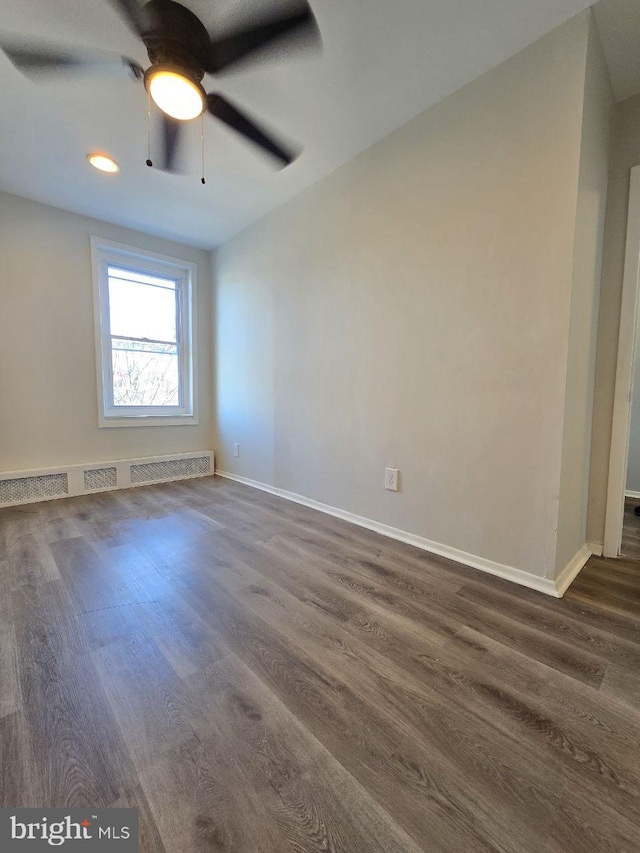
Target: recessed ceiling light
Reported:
[(103, 163), (177, 95)]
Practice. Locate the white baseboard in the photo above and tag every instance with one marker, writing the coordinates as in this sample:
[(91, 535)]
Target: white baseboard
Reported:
[(255, 484), (45, 484), (566, 577), (631, 494), (555, 588)]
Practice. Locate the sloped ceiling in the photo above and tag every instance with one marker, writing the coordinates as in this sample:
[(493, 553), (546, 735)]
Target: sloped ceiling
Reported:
[(383, 63), (619, 27)]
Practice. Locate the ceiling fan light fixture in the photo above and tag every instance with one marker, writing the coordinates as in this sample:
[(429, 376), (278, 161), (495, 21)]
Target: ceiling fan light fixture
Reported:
[(175, 93), (103, 163)]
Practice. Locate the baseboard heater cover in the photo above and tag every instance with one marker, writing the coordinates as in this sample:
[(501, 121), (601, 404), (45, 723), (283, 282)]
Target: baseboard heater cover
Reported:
[(98, 479), (22, 487), (39, 487), (170, 469)]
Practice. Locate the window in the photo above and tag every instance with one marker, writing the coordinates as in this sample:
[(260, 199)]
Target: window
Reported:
[(144, 337)]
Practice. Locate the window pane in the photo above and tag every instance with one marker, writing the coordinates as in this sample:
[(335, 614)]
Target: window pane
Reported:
[(140, 277), (145, 374), (142, 310)]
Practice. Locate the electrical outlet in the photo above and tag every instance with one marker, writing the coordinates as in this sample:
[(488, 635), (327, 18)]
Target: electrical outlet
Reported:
[(236, 450), (391, 479)]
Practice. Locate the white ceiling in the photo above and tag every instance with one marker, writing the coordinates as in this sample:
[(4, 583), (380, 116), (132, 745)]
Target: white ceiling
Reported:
[(619, 27), (383, 63)]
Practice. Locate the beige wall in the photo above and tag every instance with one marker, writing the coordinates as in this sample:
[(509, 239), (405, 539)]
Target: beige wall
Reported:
[(412, 310), (633, 462), (48, 398), (625, 155), (585, 298)]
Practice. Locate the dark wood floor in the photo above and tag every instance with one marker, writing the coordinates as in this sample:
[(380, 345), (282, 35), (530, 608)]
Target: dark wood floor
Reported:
[(256, 676)]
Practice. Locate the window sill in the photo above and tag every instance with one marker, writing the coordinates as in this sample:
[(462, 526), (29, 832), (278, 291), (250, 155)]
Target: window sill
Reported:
[(147, 421)]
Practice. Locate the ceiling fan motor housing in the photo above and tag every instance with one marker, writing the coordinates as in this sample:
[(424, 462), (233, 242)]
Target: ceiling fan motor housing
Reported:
[(176, 38), (181, 51)]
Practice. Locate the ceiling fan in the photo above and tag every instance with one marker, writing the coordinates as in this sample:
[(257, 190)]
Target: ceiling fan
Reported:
[(181, 52)]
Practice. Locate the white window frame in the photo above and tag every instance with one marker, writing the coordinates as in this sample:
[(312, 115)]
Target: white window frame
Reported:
[(103, 254)]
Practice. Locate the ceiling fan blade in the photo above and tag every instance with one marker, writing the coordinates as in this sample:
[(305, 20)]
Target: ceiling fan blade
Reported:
[(226, 112), (40, 61), (133, 13), (34, 62), (171, 143), (299, 23)]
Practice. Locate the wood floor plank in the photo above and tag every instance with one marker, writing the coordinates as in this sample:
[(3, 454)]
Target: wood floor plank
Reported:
[(154, 709), (173, 544), (78, 756), (363, 551), (185, 640), (29, 562), (97, 527), (477, 657), (519, 717), (201, 803), (15, 522), (98, 579), (579, 664), (63, 527), (89, 583), (150, 840), (342, 723), (111, 625), (409, 771), (256, 676), (626, 588), (607, 601), (322, 593), (10, 695), (17, 770), (315, 803), (623, 685), (571, 630), (597, 614), (135, 572)]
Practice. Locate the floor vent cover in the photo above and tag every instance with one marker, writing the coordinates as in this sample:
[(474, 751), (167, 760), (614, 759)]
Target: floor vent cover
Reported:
[(25, 489), (96, 479), (148, 472)]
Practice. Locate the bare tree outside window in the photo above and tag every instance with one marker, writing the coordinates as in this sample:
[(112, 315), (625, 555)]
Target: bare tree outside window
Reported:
[(145, 378), (144, 312)]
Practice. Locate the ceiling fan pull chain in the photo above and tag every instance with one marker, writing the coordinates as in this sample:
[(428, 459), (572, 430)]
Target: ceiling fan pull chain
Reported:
[(202, 145), (149, 161)]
